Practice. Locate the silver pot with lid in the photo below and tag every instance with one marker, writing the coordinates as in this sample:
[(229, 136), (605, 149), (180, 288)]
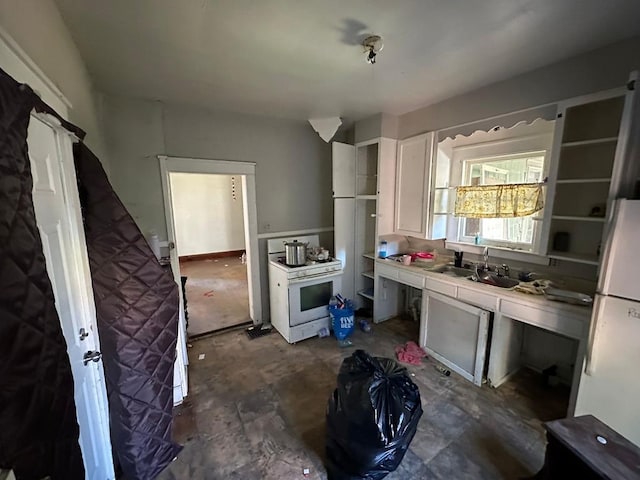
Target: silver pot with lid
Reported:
[(295, 253)]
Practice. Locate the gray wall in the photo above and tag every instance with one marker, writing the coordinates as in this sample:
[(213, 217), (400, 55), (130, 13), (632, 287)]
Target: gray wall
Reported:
[(39, 30), (601, 69), (293, 171), (293, 165)]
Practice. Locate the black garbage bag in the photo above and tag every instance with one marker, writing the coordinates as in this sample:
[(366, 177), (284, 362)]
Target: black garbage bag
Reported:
[(371, 418)]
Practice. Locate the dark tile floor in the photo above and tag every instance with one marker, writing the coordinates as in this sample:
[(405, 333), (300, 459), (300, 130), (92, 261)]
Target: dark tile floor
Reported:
[(256, 410)]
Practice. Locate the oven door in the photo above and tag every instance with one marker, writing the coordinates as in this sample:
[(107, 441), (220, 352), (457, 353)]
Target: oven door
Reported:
[(309, 297)]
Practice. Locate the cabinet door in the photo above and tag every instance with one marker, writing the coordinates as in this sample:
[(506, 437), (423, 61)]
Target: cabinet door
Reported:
[(455, 334), (343, 164), (386, 186), (412, 179), (344, 241)]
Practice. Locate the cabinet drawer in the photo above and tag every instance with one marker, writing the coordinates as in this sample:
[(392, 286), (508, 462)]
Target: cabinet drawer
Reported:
[(440, 287), (479, 299), (386, 271), (409, 278), (558, 321)]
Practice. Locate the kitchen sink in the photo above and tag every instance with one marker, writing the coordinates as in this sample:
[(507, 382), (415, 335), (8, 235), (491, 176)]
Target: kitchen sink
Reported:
[(452, 270), (485, 277), (496, 280)]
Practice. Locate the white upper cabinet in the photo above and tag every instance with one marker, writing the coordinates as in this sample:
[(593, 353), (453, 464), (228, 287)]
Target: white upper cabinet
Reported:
[(417, 194), (343, 170)]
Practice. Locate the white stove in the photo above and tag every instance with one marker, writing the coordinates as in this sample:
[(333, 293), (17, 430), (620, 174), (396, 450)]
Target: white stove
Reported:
[(299, 295), (310, 269)]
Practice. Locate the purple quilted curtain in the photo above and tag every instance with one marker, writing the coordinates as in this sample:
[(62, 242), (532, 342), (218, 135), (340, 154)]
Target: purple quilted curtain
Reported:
[(137, 311), (38, 426)]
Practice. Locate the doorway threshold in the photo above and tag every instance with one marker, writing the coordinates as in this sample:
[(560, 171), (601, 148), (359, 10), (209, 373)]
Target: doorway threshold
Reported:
[(219, 331)]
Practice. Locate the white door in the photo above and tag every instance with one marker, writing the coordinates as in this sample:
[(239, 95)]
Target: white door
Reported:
[(57, 209), (343, 165)]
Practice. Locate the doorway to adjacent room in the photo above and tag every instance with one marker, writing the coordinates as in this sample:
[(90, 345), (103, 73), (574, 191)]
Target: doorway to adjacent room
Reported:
[(212, 225), (210, 242)]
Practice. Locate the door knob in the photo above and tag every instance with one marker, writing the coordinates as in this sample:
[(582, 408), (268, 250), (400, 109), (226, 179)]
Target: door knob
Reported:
[(91, 356)]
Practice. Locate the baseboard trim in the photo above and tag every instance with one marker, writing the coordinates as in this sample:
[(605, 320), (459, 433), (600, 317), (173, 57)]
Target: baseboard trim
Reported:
[(212, 255)]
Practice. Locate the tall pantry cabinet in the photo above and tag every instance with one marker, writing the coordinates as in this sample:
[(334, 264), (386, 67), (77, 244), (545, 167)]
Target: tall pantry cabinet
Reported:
[(363, 192)]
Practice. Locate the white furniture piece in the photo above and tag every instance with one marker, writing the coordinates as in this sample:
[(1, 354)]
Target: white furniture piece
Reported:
[(422, 188), (300, 294), (609, 386), (363, 189)]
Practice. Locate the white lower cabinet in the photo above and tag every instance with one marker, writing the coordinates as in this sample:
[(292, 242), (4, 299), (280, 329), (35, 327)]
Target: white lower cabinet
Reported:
[(455, 334)]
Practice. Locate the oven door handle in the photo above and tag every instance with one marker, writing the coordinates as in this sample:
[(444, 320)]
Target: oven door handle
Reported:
[(310, 278)]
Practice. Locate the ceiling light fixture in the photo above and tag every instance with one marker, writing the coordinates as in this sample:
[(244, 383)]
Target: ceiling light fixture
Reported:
[(372, 46)]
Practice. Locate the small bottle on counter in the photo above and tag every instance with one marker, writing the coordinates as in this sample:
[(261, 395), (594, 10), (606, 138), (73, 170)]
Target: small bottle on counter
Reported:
[(382, 252)]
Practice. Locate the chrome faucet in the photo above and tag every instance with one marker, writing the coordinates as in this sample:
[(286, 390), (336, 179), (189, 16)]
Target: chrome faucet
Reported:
[(485, 255), (505, 270)]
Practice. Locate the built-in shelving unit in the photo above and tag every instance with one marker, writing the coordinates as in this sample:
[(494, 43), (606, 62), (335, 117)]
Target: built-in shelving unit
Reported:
[(363, 187), (369, 274), (576, 258), (365, 217), (368, 294), (579, 219), (583, 182)]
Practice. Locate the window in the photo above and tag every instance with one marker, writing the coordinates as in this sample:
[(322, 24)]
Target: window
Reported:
[(519, 154), (520, 232)]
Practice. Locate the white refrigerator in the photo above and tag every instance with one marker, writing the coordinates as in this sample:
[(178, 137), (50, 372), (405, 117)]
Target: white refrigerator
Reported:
[(610, 383)]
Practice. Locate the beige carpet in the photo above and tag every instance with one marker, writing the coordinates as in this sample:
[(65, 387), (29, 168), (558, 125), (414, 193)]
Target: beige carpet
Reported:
[(217, 294)]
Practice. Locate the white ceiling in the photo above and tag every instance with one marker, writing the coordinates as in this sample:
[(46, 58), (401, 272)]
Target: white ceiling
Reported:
[(301, 58)]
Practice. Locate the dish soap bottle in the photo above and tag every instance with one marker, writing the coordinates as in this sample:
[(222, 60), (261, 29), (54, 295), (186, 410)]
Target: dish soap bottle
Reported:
[(382, 252)]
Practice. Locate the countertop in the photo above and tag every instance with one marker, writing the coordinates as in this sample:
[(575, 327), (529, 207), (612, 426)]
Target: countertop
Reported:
[(539, 301)]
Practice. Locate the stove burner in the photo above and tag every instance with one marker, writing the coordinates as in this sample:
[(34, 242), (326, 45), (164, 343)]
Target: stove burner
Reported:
[(282, 261)]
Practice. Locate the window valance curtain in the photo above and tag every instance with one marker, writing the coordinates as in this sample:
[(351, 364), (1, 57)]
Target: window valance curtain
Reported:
[(499, 201)]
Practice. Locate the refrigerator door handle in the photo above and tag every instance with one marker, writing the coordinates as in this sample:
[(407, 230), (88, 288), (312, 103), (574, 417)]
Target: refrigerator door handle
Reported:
[(592, 347)]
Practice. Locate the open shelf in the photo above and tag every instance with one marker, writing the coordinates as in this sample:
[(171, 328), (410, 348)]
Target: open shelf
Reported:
[(584, 180), (368, 274), (594, 141), (574, 218), (370, 256), (594, 122), (368, 293), (574, 257)]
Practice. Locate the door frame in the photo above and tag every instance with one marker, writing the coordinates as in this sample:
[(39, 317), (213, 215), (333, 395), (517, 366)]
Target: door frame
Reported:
[(245, 170)]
